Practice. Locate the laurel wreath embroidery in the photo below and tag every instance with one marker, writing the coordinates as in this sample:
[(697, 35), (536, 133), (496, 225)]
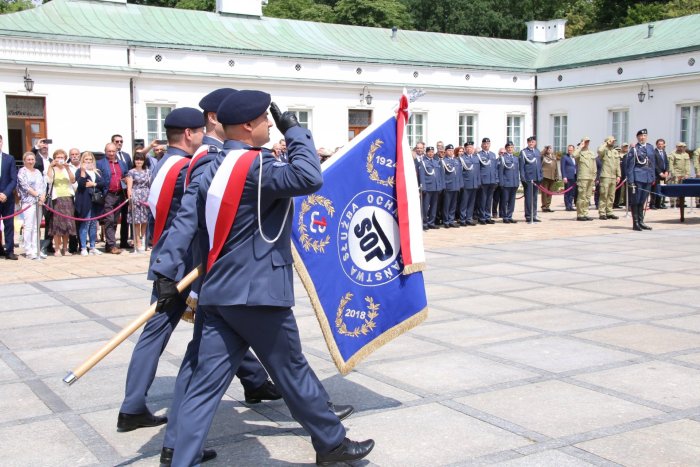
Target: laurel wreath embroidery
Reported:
[(307, 242), (369, 323), (373, 174)]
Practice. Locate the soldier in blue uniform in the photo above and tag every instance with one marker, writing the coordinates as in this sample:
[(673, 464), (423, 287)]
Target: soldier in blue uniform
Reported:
[(430, 177), (489, 181), (530, 173), (452, 172), (640, 167), (247, 292), (182, 242), (471, 181), (509, 181)]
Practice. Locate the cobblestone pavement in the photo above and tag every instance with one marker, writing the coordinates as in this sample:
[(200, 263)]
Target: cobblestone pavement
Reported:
[(562, 343)]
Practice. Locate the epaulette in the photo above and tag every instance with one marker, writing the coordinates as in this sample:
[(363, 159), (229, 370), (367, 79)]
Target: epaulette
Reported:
[(213, 149)]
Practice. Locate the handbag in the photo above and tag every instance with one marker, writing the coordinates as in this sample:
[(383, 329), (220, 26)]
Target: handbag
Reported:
[(97, 197)]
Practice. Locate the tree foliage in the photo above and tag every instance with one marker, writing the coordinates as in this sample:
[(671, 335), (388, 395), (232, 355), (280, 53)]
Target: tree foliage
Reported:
[(11, 6), (306, 10), (375, 13)]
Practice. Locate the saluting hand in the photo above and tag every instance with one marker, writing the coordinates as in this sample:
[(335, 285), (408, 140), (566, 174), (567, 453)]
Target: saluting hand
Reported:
[(283, 120)]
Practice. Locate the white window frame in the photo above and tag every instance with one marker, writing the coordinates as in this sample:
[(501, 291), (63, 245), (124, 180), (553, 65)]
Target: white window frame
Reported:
[(510, 129), (304, 122), (560, 128), (416, 131), (159, 133), (620, 124), (467, 130), (689, 132)]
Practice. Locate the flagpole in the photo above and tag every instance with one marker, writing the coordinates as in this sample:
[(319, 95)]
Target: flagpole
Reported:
[(122, 335)]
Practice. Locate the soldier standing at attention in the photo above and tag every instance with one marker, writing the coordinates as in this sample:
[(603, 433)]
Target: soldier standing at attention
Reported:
[(609, 177), (585, 178), (550, 175), (489, 181), (452, 171), (509, 181), (530, 173), (430, 179), (471, 181), (641, 171), (678, 166)]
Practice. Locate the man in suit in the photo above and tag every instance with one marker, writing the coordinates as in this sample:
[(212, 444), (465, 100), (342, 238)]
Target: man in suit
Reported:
[(661, 165), (125, 157), (247, 292), (8, 182), (530, 174), (113, 171), (568, 170), (640, 167)]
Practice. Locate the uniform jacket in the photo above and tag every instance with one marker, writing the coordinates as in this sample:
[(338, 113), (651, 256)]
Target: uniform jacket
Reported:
[(471, 171), (83, 195), (489, 167), (679, 164), (8, 176), (452, 171), (640, 164), (428, 175), (568, 167), (250, 271), (509, 171), (608, 163), (103, 166), (587, 165), (530, 165), (550, 167)]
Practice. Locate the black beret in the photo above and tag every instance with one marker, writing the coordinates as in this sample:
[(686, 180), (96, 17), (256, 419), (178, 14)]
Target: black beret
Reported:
[(184, 117), (429, 148), (509, 143), (449, 146), (531, 138), (211, 102), (243, 106), (485, 140), (643, 131), (469, 143)]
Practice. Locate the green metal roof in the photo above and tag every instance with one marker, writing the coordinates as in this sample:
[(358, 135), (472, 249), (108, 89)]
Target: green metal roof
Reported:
[(95, 21)]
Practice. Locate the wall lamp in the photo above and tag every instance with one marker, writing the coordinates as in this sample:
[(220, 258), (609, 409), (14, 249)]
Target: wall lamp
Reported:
[(641, 95), (28, 81), (365, 96)]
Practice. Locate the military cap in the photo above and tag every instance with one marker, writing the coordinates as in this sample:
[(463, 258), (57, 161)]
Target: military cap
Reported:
[(469, 143), (585, 138), (643, 131), (449, 146), (625, 145), (681, 145), (509, 143), (610, 139), (429, 148), (211, 102), (485, 140), (184, 117), (531, 138), (242, 106)]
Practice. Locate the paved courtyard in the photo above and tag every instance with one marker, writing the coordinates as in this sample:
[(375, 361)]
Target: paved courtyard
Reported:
[(558, 344)]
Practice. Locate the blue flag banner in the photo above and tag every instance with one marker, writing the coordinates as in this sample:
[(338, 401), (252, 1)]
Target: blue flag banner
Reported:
[(347, 246)]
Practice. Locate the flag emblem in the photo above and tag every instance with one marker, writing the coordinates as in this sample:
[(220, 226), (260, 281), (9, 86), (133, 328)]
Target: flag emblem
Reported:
[(315, 214)]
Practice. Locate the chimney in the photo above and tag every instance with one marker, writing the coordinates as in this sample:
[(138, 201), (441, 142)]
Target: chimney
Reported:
[(248, 8), (394, 33), (546, 31), (650, 31)]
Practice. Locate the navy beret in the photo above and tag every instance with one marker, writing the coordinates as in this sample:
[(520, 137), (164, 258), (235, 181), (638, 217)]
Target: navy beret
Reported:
[(211, 102), (643, 131), (531, 138), (449, 146), (184, 117), (509, 143), (469, 143), (243, 106), (485, 140), (429, 148)]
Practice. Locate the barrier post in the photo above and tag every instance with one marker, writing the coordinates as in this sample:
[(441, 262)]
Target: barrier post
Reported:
[(38, 229), (627, 202), (133, 224), (532, 202)]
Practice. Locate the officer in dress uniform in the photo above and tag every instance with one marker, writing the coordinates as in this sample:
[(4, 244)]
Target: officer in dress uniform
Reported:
[(509, 181), (247, 292), (641, 171), (471, 181), (586, 161), (530, 173), (430, 178), (608, 177), (452, 172), (489, 181), (183, 241)]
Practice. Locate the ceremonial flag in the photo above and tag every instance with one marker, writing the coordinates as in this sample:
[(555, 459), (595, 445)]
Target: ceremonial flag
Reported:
[(358, 243)]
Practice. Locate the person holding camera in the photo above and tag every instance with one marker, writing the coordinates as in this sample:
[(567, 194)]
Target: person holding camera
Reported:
[(61, 179), (89, 201)]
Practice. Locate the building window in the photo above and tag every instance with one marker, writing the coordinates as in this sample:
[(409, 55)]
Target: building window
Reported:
[(416, 129), (620, 125), (560, 130), (690, 125), (304, 117), (514, 130), (467, 128), (155, 115)]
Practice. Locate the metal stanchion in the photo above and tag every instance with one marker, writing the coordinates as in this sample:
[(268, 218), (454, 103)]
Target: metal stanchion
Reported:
[(38, 229), (627, 202), (133, 224), (532, 202)]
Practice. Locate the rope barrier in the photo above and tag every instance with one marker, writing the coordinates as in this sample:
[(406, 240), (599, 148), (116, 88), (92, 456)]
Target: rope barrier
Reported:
[(89, 218), (552, 193), (17, 213)]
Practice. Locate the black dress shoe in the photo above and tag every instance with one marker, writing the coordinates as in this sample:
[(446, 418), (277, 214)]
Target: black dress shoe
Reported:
[(265, 392), (612, 216), (342, 411), (506, 221), (512, 221), (470, 223), (537, 220), (490, 221), (11, 256), (482, 222), (433, 226), (130, 422), (603, 218), (346, 451), (166, 456)]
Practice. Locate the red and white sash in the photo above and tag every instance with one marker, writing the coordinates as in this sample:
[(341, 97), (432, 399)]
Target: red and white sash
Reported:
[(162, 189), (224, 196), (198, 154)]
